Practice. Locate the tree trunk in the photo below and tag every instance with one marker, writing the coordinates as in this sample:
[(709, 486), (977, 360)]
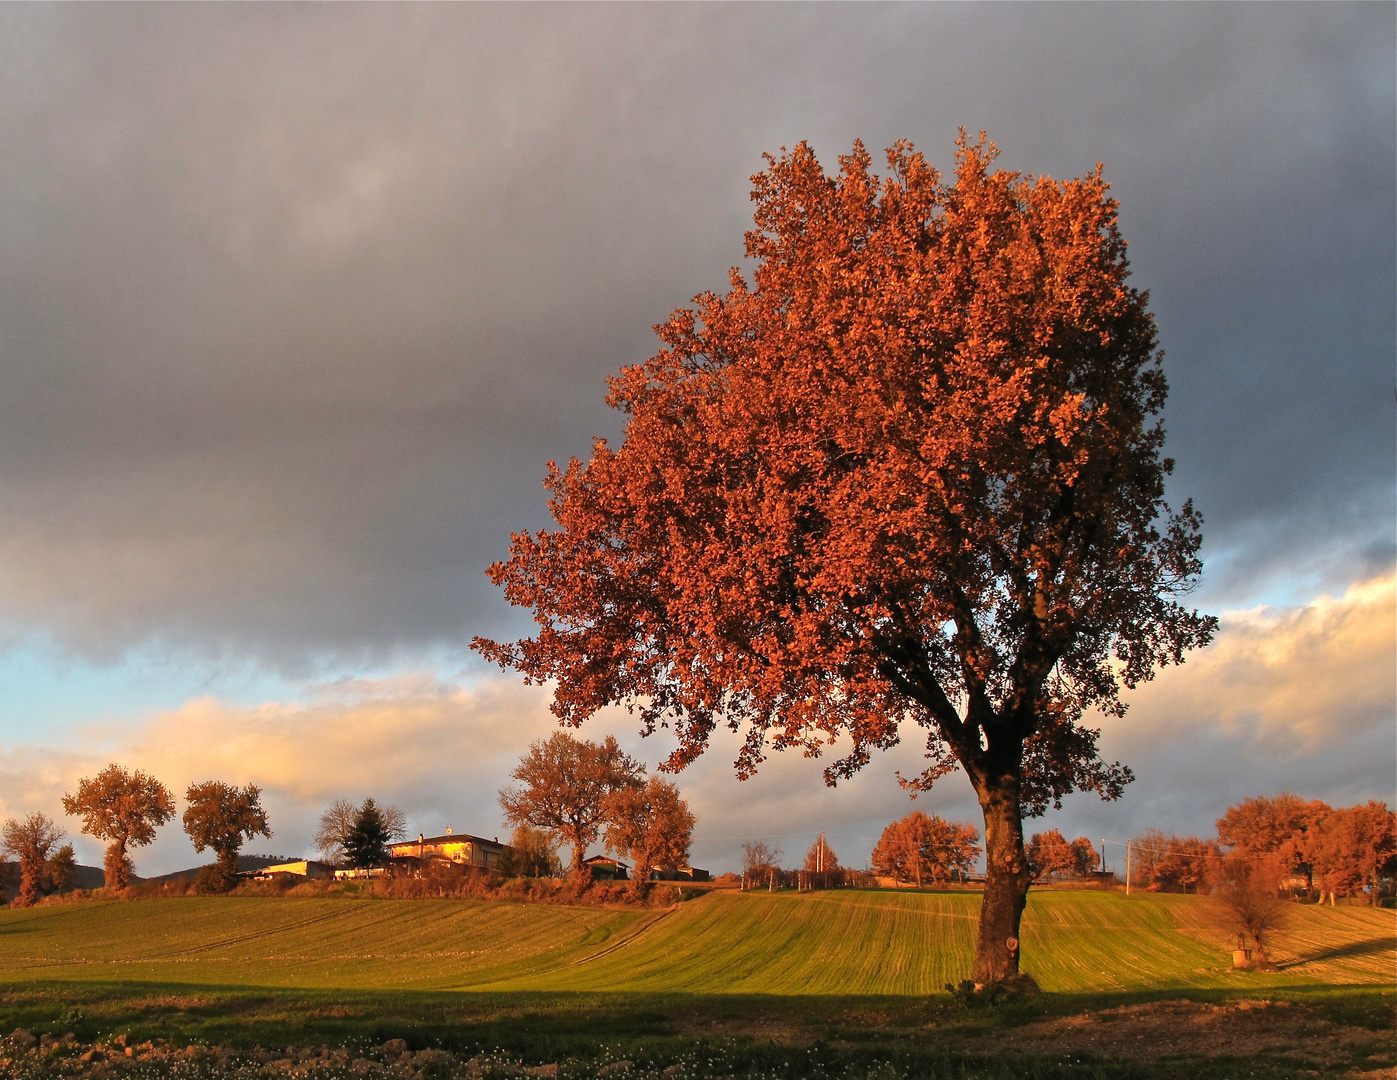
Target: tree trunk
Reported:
[(1006, 882), (116, 868)]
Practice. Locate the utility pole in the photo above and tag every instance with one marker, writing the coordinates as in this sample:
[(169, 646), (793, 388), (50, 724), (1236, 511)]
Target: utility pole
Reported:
[(1127, 868)]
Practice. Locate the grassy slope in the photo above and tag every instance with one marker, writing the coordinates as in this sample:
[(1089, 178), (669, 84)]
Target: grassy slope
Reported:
[(836, 943), (915, 943), (305, 943)]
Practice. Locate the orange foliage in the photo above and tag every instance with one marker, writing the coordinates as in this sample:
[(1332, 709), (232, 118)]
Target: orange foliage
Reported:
[(123, 807), (919, 848)]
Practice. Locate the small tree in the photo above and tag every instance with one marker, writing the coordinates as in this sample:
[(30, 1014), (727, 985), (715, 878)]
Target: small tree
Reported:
[(123, 807), (366, 843), (29, 840), (62, 868), (530, 854), (1050, 856), (563, 787), (1084, 856), (651, 824), (1248, 891), (922, 848), (221, 816), (822, 860)]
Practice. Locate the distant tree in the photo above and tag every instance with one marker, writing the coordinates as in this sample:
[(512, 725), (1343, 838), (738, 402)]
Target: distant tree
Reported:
[(1050, 856), (822, 860), (1279, 826), (1164, 863), (1353, 849), (338, 821), (366, 844), (221, 816), (563, 785), (29, 840), (651, 824), (1085, 857), (758, 860), (531, 853), (1248, 891), (62, 868), (125, 808), (920, 848)]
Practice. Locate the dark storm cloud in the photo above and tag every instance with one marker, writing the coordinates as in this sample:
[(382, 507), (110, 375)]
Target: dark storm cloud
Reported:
[(296, 302)]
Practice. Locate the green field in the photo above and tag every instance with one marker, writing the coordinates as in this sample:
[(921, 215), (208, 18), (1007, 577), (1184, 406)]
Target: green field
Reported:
[(859, 969), (825, 943)]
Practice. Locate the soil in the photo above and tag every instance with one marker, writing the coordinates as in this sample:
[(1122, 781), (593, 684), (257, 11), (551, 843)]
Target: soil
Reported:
[(1192, 1029)]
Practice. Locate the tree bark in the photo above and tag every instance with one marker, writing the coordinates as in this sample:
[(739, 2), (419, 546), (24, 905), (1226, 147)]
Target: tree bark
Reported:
[(1006, 881)]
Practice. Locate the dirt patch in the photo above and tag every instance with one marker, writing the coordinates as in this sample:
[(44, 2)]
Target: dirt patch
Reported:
[(1192, 1029)]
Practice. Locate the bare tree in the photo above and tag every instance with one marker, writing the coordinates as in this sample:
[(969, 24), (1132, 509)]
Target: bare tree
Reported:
[(1249, 894), (759, 859), (30, 839)]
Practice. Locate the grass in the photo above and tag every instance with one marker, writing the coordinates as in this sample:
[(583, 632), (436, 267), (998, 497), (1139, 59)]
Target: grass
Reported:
[(857, 973)]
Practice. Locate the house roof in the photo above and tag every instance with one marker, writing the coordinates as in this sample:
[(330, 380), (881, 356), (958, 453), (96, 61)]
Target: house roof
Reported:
[(604, 859)]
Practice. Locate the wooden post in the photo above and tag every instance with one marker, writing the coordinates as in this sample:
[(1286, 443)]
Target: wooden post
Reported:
[(1127, 868)]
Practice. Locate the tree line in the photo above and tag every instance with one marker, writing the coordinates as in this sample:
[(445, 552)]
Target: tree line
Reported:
[(568, 792), (1321, 851)]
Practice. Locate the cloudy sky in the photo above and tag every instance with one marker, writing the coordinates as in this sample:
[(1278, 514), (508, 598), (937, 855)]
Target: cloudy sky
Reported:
[(296, 302)]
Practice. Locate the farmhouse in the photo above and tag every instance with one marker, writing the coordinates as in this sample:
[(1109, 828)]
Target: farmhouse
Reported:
[(462, 849)]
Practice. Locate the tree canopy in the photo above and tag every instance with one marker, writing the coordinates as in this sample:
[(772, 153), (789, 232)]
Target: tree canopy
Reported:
[(221, 816), (910, 473), (921, 848), (123, 807), (563, 787), (652, 825)]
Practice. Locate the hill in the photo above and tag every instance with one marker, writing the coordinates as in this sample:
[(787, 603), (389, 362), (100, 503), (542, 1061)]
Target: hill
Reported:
[(189, 874), (835, 943)]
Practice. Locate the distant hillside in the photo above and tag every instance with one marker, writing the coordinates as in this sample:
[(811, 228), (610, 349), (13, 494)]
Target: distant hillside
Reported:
[(84, 877), (245, 863)]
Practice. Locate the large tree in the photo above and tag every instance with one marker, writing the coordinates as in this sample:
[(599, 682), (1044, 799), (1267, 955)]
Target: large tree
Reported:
[(123, 807), (563, 785), (911, 473), (221, 816)]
